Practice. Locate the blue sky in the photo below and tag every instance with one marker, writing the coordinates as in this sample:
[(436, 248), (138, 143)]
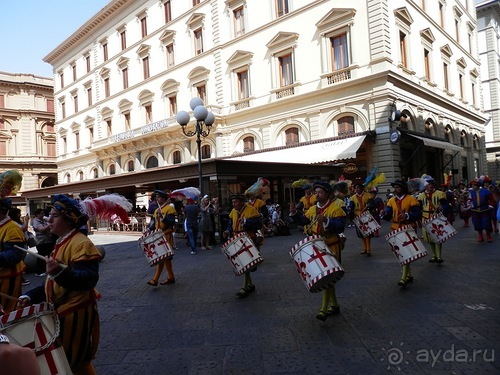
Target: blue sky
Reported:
[(31, 29)]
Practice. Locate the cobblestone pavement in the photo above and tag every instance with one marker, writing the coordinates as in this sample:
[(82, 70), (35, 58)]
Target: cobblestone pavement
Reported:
[(446, 322)]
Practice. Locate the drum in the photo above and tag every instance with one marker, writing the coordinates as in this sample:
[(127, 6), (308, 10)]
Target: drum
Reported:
[(155, 247), (242, 253), (366, 224), (37, 327), (438, 228), (406, 245), (316, 264)]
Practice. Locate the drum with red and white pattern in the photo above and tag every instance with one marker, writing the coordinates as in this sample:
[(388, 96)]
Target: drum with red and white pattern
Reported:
[(155, 247), (406, 245), (438, 228), (366, 224), (37, 327), (317, 266), (242, 253)]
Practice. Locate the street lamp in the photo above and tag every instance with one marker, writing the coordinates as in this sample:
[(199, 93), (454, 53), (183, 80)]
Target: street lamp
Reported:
[(204, 121)]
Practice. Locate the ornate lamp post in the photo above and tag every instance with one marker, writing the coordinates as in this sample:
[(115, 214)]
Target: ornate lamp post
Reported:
[(204, 122)]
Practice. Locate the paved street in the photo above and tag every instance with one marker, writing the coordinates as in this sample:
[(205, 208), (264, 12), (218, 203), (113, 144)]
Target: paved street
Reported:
[(446, 322)]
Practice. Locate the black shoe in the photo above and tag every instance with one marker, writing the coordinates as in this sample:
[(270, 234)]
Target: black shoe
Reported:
[(242, 293), (321, 316), (440, 260), (402, 283), (250, 288), (433, 260), (333, 310), (409, 279)]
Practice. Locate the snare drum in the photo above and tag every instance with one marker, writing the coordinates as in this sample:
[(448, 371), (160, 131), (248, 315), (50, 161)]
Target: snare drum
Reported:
[(438, 228), (316, 264), (242, 253), (406, 245), (37, 327), (366, 224), (155, 247)]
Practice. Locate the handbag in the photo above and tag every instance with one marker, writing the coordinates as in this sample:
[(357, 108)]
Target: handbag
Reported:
[(31, 239)]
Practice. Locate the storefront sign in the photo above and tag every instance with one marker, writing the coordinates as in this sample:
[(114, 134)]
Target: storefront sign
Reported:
[(350, 168)]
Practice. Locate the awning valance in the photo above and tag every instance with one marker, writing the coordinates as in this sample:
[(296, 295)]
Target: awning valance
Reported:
[(322, 152), (437, 144)]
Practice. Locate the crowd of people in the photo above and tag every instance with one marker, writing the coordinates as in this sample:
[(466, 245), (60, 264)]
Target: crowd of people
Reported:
[(70, 261)]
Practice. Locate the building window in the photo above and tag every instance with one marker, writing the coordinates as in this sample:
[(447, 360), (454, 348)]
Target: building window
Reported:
[(126, 117), (80, 176), (445, 76), (198, 41), (89, 96), (94, 173), (340, 57), (152, 162), (205, 152), (3, 148), (196, 2), (125, 77), (292, 136), (248, 144), (170, 55), (105, 51), (50, 104), (2, 101), (427, 66), (172, 105), (63, 110), (201, 90), (145, 67), (281, 7), (130, 166), (91, 134), (148, 110), (461, 85), (457, 30), (239, 21), (345, 125), (67, 178), (473, 92), (112, 169), (144, 27), (441, 15), (51, 148), (243, 85), (61, 79), (286, 70), (73, 69), (87, 63), (176, 156), (109, 128), (75, 102), (123, 39), (64, 144), (402, 49), (106, 87), (167, 6)]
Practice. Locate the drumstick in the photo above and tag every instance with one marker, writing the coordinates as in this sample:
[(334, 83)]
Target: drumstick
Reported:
[(8, 297), (36, 255)]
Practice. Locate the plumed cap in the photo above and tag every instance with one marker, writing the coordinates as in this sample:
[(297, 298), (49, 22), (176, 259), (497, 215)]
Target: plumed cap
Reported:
[(68, 207), (400, 183), (162, 193), (323, 185)]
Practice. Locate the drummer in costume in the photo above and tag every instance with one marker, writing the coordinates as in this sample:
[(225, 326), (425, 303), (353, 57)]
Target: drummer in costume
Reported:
[(402, 209), (327, 220), (244, 218), (164, 217), (482, 201), (71, 289), (11, 259), (360, 202), (308, 200), (433, 201)]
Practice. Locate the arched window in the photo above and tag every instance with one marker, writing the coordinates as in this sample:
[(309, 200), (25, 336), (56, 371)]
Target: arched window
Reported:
[(248, 144), (448, 133), (80, 176), (176, 157), (430, 128), (130, 166), (112, 169), (67, 178), (94, 173), (475, 142), (345, 125), (152, 162), (463, 138), (205, 152), (292, 136)]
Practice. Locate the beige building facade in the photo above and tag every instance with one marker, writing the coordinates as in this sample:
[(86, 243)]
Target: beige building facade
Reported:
[(399, 80), (27, 129)]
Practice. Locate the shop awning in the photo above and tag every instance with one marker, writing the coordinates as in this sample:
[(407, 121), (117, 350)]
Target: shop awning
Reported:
[(437, 144), (321, 152)]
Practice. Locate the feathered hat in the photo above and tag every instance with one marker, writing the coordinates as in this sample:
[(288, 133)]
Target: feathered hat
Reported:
[(416, 184), (10, 182), (186, 193), (103, 207), (301, 183), (257, 188)]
